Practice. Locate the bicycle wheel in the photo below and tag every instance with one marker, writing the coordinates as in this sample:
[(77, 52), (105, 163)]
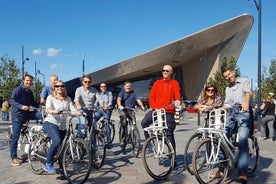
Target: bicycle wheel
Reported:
[(37, 154), (189, 150), (253, 158), (210, 165), (23, 145), (158, 160), (135, 141), (76, 161), (98, 150), (112, 131)]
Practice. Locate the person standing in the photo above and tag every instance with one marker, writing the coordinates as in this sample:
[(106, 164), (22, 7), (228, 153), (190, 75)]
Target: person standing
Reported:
[(48, 90), (126, 99), (55, 123), (21, 100), (163, 92), (85, 97), (238, 100), (5, 110), (103, 105), (268, 118)]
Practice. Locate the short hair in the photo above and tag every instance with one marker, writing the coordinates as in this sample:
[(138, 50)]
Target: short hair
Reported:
[(225, 68), (87, 76), (127, 82), (27, 75)]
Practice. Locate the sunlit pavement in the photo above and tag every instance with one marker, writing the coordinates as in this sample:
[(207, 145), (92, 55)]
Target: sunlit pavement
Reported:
[(122, 168)]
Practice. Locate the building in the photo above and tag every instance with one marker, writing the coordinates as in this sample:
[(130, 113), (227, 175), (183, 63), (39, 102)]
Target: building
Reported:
[(194, 58)]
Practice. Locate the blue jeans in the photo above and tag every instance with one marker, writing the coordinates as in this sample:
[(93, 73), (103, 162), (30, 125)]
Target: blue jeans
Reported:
[(147, 121), (56, 136), (5, 116), (82, 126), (17, 124), (106, 115), (242, 122)]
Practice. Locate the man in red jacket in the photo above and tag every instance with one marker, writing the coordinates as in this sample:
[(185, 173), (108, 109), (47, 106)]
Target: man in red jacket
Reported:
[(163, 92)]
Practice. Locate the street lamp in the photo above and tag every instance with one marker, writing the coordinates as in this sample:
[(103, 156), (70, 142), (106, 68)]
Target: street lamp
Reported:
[(259, 9), (38, 71), (23, 61)]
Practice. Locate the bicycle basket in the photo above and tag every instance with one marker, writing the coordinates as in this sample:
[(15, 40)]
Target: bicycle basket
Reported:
[(217, 119), (159, 118)]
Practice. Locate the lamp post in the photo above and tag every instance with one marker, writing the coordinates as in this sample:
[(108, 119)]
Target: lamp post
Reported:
[(23, 61), (38, 71), (259, 9)]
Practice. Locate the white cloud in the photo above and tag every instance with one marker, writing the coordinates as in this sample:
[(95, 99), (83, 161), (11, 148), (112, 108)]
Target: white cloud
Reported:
[(37, 51), (51, 52)]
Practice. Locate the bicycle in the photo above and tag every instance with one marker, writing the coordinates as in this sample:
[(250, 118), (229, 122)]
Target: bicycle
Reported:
[(132, 132), (95, 138), (217, 153), (73, 152), (25, 135), (158, 154), (111, 129), (192, 142)]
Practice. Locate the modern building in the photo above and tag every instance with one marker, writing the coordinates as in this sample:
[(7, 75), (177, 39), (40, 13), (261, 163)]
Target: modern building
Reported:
[(194, 59)]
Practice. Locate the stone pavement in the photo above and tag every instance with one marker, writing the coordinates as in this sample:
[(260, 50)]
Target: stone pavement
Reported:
[(122, 168)]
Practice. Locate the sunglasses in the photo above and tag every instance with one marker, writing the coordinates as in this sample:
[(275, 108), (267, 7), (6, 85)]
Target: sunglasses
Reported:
[(87, 81), (165, 71), (210, 90), (59, 86)]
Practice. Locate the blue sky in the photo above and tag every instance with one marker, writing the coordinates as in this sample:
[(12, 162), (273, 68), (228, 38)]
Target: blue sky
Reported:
[(55, 33)]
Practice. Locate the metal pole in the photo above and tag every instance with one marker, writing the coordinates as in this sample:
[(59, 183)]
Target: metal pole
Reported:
[(22, 62)]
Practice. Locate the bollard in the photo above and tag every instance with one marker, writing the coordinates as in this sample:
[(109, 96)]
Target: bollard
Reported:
[(198, 118)]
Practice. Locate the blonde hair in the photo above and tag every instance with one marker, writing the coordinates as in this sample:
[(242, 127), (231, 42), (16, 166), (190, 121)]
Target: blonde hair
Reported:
[(64, 92)]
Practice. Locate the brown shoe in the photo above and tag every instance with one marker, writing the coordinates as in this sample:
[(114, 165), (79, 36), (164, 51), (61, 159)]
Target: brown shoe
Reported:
[(242, 179), (16, 162), (216, 174)]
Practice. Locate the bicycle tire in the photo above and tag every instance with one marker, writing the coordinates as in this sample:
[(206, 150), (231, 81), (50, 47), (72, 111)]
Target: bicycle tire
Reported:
[(217, 170), (253, 159), (76, 161), (98, 150), (112, 131), (37, 154), (135, 141), (158, 168), (189, 150)]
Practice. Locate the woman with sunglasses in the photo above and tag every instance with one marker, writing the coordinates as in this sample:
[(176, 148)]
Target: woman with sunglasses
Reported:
[(55, 124), (210, 100)]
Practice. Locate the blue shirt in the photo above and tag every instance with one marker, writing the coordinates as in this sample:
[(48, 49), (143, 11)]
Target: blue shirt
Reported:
[(21, 96), (46, 91), (128, 99)]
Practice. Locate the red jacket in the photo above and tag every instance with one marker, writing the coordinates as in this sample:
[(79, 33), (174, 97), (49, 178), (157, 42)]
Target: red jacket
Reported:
[(163, 92)]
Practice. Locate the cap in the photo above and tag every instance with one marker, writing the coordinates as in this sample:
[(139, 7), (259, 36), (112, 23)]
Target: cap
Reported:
[(271, 94)]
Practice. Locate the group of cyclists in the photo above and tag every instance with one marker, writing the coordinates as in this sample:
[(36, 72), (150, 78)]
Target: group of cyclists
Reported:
[(163, 92)]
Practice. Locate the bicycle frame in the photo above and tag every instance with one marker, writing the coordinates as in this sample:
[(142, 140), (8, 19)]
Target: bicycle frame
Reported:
[(216, 132), (158, 129)]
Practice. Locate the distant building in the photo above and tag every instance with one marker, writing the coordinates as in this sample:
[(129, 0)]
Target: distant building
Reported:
[(194, 59)]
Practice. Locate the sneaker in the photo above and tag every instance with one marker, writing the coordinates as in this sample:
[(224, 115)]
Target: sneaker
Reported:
[(16, 162), (242, 179), (262, 138), (49, 168)]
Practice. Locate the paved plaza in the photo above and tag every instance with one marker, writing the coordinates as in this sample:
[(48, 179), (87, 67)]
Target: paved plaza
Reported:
[(120, 168)]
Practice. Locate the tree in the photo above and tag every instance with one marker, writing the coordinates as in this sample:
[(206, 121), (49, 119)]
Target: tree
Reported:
[(269, 79), (9, 77), (219, 80)]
